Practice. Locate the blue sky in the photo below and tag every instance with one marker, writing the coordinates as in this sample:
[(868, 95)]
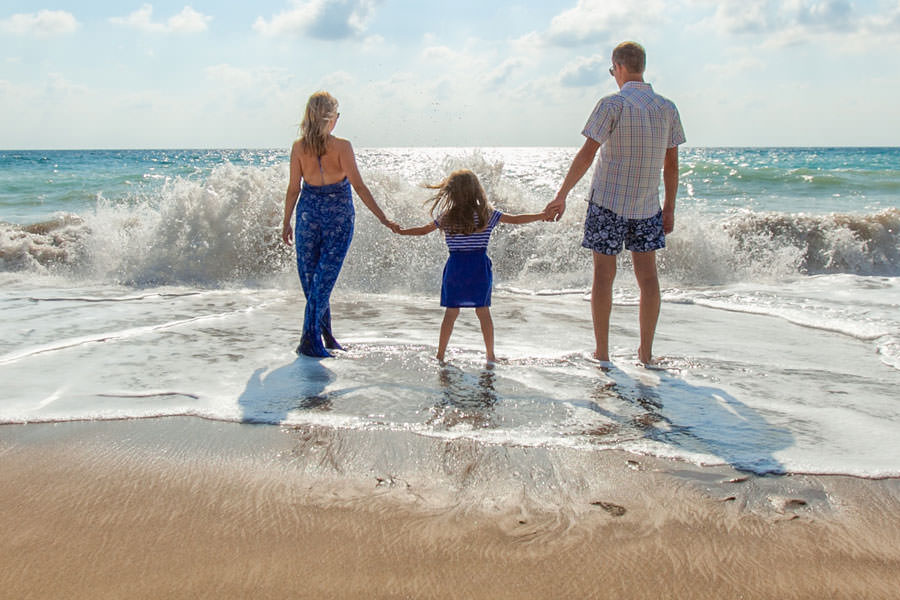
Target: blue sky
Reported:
[(126, 74)]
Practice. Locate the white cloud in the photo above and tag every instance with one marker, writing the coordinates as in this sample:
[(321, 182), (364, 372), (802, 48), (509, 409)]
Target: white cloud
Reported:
[(440, 54), (187, 21), (600, 21), (373, 42), (502, 73), (229, 76), (585, 71), (530, 44), (322, 19), (336, 80), (58, 86), (886, 23), (795, 21), (44, 23), (737, 67), (262, 81), (749, 16)]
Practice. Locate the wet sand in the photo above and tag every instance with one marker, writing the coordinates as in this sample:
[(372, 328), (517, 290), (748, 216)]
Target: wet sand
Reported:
[(183, 507)]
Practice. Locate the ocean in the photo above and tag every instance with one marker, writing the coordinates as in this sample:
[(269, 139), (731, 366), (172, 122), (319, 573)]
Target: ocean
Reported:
[(152, 283)]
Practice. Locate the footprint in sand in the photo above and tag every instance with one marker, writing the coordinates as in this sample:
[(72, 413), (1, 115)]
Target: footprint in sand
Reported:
[(781, 503), (613, 509)]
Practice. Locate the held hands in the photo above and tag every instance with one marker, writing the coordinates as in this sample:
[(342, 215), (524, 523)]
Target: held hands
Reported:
[(555, 209), (391, 225)]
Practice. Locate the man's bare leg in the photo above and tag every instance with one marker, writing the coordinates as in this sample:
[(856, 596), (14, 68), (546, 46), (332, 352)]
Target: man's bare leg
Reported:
[(487, 330), (601, 301), (446, 329), (648, 282)]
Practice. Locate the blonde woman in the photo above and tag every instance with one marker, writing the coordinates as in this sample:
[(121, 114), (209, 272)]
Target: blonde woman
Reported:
[(326, 167)]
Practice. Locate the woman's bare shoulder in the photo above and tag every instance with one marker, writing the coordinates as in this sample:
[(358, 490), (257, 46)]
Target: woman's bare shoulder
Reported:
[(341, 143)]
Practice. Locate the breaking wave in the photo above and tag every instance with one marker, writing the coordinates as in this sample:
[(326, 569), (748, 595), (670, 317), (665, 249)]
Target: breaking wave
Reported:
[(225, 229)]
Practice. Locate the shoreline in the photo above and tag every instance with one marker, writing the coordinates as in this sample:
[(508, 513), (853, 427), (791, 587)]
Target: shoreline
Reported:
[(188, 507)]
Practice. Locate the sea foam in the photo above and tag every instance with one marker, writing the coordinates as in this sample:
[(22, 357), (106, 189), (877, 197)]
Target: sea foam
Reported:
[(225, 228)]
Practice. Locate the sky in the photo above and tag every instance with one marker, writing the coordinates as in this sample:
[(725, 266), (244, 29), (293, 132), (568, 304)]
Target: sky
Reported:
[(212, 74)]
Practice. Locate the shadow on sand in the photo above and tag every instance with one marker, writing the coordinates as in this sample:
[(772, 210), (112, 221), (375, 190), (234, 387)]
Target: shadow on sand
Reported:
[(698, 419), (297, 385)]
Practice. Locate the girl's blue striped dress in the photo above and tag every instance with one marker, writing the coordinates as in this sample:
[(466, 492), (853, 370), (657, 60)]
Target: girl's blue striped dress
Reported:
[(468, 277)]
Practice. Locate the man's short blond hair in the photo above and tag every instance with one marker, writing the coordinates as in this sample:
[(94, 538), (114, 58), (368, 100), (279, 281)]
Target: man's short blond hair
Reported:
[(631, 55)]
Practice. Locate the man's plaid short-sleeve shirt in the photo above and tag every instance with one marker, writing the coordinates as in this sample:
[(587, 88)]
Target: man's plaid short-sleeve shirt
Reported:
[(634, 128)]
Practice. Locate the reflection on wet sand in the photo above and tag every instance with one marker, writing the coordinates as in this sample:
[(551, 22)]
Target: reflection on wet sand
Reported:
[(465, 399)]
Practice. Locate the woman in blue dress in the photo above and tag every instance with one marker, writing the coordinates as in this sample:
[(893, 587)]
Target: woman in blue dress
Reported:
[(467, 219), (326, 167)]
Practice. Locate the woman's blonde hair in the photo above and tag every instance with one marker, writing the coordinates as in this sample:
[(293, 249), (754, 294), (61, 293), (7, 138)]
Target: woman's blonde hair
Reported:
[(459, 199), (321, 108)]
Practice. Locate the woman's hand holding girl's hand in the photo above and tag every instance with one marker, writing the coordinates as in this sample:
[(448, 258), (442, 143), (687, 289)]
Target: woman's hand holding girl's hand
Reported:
[(391, 225)]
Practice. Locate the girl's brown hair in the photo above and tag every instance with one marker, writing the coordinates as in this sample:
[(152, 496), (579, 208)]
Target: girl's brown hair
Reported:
[(458, 200), (321, 108)]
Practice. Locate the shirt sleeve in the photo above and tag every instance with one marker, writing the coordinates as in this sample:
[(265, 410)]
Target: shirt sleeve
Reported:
[(676, 132), (495, 218), (603, 120)]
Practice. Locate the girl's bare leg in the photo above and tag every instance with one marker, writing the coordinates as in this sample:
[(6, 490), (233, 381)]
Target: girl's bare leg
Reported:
[(446, 329), (487, 330)]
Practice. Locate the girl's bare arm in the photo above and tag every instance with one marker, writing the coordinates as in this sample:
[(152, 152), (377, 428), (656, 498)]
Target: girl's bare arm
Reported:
[(423, 230), (524, 218)]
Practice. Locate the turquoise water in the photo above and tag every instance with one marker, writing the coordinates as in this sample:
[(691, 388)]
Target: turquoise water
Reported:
[(34, 184), (813, 180)]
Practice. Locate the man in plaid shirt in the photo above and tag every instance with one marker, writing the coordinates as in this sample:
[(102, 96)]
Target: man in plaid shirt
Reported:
[(637, 133)]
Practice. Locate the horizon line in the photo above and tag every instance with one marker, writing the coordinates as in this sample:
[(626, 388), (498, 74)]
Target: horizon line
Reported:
[(450, 147)]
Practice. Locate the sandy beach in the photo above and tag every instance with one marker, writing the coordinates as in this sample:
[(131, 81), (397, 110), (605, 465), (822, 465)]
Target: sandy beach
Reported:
[(184, 507)]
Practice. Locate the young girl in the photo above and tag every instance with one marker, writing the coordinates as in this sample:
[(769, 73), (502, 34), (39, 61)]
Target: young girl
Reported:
[(467, 219)]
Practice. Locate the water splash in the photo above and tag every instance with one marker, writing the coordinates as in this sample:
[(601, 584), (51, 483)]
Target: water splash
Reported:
[(224, 228)]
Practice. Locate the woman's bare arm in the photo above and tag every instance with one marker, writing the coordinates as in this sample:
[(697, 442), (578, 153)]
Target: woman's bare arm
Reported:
[(348, 164), (293, 191)]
